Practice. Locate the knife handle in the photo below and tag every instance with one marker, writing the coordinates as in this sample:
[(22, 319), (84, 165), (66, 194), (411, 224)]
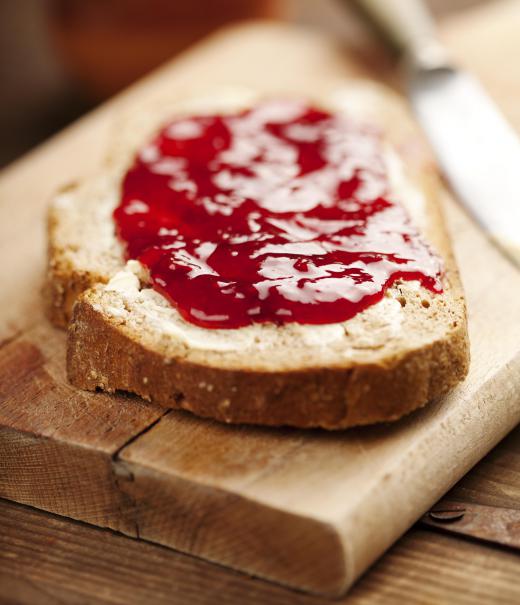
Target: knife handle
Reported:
[(409, 26)]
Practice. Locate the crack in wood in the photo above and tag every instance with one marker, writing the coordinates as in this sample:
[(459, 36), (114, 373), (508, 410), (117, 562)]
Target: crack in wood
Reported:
[(122, 473), (139, 434), (127, 505)]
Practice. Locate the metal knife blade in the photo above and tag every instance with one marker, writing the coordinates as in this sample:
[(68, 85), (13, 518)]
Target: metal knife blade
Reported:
[(477, 149)]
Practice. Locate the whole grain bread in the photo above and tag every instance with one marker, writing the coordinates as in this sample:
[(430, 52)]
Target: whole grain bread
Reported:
[(385, 362)]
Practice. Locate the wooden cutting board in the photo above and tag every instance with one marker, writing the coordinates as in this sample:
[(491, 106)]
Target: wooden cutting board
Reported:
[(308, 509)]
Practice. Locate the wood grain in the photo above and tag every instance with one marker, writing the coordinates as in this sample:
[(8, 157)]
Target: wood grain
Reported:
[(46, 559), (496, 480), (57, 443), (310, 509)]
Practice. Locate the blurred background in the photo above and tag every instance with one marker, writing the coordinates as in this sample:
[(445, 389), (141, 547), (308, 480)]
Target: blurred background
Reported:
[(60, 58)]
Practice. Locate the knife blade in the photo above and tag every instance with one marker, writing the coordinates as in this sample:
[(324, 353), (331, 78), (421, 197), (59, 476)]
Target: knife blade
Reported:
[(478, 151)]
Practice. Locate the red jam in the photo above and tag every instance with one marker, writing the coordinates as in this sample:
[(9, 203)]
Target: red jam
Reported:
[(281, 213)]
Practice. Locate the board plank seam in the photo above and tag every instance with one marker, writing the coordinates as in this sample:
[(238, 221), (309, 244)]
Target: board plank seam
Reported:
[(133, 438), (122, 472)]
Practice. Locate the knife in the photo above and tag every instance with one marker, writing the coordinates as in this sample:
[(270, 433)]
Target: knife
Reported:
[(479, 521), (478, 151)]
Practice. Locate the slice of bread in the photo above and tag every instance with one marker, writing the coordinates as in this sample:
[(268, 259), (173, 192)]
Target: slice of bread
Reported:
[(383, 363)]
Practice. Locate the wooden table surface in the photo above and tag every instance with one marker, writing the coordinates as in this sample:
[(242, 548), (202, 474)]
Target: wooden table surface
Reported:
[(50, 559)]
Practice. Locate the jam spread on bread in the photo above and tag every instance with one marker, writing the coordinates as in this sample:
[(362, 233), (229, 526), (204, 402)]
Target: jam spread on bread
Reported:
[(280, 213)]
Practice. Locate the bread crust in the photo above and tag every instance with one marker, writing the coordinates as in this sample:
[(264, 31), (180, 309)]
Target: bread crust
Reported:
[(101, 355), (68, 274)]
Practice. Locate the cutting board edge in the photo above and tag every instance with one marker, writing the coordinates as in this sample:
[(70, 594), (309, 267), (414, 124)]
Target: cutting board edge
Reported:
[(508, 404), (226, 514)]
